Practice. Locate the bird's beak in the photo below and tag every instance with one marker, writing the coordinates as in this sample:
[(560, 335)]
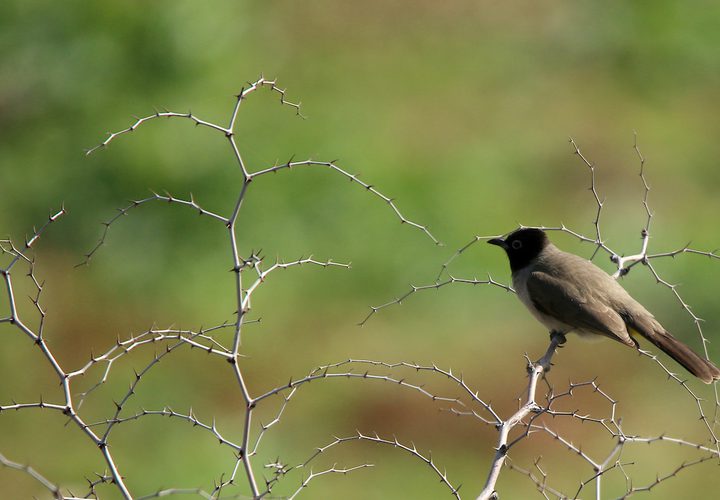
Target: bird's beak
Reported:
[(499, 242)]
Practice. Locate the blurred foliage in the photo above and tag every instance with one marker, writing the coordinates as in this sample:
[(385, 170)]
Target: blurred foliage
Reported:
[(458, 110)]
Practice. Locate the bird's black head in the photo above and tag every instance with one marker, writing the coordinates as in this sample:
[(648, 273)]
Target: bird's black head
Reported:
[(522, 246)]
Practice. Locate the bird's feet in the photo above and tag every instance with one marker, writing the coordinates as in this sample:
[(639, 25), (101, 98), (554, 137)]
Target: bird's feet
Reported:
[(558, 338)]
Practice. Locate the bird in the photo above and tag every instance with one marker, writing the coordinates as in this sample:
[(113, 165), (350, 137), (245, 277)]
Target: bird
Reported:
[(568, 293)]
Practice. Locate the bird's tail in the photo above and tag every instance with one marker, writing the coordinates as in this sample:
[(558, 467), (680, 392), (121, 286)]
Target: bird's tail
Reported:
[(698, 366)]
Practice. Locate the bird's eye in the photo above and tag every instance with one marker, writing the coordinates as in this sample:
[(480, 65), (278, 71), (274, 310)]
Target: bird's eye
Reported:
[(516, 244)]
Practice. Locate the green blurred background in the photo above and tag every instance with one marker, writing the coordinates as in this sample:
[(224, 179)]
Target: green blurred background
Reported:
[(460, 111)]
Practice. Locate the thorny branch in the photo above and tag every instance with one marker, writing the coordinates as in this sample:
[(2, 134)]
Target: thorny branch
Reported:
[(204, 339), (533, 416), (623, 266), (536, 370)]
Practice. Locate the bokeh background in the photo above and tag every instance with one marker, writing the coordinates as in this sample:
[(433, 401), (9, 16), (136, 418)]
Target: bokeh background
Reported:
[(461, 111)]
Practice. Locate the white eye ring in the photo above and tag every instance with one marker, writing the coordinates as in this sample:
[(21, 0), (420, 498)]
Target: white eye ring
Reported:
[(516, 244)]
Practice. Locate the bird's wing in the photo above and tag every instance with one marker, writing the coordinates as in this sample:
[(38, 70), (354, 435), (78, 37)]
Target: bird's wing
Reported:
[(563, 301)]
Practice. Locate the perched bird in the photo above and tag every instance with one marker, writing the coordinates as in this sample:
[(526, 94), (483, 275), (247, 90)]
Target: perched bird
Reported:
[(567, 293)]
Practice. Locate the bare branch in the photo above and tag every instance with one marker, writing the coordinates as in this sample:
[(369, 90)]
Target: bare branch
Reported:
[(353, 178), (411, 449), (47, 484)]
